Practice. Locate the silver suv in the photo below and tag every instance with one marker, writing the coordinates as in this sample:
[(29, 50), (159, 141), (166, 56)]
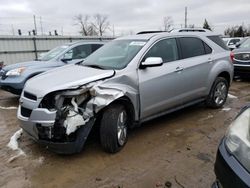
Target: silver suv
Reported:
[(126, 82)]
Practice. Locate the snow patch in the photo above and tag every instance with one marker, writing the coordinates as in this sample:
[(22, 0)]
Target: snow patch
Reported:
[(13, 144), (232, 96), (8, 108), (226, 109)]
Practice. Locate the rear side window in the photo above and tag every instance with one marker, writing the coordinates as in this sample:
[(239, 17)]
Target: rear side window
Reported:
[(208, 50), (192, 47), (218, 41), (95, 47), (166, 49)]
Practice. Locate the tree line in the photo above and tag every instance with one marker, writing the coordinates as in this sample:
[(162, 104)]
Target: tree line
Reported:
[(94, 25), (98, 24)]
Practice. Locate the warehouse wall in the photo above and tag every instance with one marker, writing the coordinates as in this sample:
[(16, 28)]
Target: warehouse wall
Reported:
[(15, 49)]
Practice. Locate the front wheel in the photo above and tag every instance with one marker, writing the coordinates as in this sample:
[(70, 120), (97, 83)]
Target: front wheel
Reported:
[(113, 128), (218, 93)]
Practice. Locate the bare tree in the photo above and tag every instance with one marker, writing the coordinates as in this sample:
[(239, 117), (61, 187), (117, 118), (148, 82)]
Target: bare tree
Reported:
[(100, 23), (167, 23), (84, 23)]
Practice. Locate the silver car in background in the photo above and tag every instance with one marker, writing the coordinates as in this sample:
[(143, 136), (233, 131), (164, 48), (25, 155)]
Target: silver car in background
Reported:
[(123, 84)]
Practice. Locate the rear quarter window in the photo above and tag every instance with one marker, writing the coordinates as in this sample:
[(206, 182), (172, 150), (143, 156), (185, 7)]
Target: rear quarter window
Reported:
[(191, 47), (217, 40)]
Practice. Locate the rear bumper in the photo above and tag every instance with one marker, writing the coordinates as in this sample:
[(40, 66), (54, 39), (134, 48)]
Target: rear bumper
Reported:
[(229, 172), (47, 119)]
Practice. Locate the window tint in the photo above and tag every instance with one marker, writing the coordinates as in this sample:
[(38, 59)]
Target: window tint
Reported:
[(166, 49), (95, 47), (81, 52), (208, 50), (191, 47), (218, 41)]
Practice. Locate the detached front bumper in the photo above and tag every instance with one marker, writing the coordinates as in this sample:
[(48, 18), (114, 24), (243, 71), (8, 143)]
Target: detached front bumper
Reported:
[(45, 118), (229, 172)]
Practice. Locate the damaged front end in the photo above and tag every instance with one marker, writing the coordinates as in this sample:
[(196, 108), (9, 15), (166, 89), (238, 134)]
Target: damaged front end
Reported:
[(63, 120)]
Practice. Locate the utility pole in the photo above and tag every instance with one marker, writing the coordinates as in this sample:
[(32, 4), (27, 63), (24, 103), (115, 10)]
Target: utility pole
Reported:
[(185, 17), (34, 17), (41, 24)]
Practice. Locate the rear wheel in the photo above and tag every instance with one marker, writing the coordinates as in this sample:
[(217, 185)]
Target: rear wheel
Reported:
[(113, 128), (218, 93)]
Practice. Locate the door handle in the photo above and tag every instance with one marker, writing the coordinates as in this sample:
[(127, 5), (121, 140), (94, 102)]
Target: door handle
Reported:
[(179, 69), (210, 60)]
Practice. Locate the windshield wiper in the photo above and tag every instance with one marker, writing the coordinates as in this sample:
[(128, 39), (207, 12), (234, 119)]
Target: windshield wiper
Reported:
[(95, 66)]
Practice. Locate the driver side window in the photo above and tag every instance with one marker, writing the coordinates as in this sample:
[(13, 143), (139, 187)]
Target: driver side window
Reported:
[(166, 49)]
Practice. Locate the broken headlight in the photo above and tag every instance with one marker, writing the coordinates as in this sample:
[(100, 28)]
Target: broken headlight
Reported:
[(238, 138)]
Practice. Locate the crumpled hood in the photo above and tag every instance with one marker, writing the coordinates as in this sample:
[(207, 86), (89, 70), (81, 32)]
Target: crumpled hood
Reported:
[(67, 77)]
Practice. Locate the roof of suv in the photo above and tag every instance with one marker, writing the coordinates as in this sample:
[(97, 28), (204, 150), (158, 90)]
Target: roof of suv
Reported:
[(166, 34)]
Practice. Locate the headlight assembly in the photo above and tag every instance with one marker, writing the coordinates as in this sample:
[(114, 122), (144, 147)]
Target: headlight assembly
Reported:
[(15, 72), (238, 138)]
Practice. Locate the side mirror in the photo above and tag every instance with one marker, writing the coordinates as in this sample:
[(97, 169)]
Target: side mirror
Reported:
[(65, 60), (152, 62)]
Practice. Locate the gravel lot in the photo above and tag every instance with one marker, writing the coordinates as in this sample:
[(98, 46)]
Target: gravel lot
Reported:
[(177, 150)]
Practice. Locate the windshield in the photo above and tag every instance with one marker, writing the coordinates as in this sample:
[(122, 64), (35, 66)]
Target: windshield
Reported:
[(115, 55), (245, 44), (53, 53)]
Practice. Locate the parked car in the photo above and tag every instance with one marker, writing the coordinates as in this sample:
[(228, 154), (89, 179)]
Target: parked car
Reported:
[(232, 166), (241, 59), (123, 84), (13, 77), (232, 42)]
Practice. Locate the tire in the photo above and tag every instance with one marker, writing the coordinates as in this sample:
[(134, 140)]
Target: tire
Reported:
[(218, 93), (113, 128)]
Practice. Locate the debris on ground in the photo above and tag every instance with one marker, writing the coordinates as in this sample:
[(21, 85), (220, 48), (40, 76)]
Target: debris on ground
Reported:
[(175, 178), (168, 184), (204, 157)]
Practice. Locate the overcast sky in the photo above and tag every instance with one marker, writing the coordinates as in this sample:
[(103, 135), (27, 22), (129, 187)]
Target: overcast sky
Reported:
[(127, 16)]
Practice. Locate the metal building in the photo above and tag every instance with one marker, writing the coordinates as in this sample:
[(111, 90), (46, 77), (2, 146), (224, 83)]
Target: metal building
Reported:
[(15, 49)]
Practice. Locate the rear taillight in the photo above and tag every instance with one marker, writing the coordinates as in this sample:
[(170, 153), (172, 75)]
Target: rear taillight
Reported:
[(232, 56)]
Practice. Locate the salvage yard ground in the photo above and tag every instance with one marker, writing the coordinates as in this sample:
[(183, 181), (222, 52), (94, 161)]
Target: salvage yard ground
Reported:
[(176, 150)]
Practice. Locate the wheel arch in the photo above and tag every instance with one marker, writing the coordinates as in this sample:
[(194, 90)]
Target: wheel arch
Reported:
[(127, 103)]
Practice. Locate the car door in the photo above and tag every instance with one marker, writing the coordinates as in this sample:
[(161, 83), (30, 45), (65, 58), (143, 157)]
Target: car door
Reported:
[(160, 86), (196, 64)]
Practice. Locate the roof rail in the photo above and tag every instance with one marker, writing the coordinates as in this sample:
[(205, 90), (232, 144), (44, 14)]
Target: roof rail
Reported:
[(190, 30), (147, 32)]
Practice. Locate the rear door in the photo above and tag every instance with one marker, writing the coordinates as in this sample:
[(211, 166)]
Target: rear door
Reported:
[(160, 87), (195, 64)]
